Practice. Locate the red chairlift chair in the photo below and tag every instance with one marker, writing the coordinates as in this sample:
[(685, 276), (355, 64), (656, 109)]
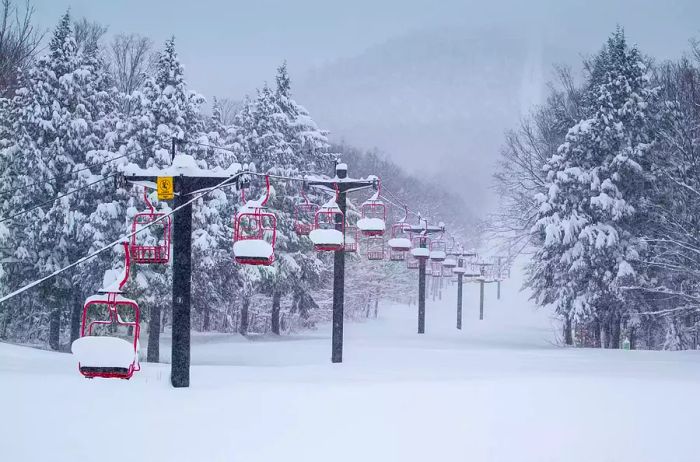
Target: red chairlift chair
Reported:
[(400, 242), (438, 250), (451, 260), (255, 232), (373, 221), (329, 226), (304, 215), (412, 262), (146, 248), (375, 247), (351, 238), (109, 356), (417, 251)]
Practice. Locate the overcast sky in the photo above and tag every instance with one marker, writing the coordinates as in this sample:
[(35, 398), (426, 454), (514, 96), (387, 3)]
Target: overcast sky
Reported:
[(431, 83)]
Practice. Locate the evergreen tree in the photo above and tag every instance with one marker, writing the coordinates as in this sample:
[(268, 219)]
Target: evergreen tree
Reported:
[(594, 196), (62, 121), (301, 133)]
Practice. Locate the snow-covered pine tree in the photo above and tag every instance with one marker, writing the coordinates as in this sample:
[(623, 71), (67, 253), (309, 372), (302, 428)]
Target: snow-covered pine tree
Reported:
[(302, 134), (61, 117), (587, 218)]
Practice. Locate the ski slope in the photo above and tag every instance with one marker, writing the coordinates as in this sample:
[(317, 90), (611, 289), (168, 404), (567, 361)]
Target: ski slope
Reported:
[(499, 390)]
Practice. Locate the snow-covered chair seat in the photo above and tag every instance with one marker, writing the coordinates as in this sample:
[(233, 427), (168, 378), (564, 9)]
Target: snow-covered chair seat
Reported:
[(420, 252), (449, 262), (459, 270), (371, 225), (327, 239), (252, 251), (438, 255), (399, 243), (104, 354)]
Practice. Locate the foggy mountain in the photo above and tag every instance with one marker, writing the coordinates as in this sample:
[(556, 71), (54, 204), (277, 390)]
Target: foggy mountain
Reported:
[(436, 101)]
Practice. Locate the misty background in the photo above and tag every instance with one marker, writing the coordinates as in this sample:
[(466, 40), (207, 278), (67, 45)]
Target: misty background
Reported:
[(433, 85)]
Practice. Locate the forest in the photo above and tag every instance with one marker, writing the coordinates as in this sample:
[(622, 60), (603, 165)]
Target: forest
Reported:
[(78, 103), (599, 188)]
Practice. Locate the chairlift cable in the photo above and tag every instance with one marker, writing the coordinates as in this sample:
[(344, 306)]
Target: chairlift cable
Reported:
[(60, 196), (73, 172), (118, 241)]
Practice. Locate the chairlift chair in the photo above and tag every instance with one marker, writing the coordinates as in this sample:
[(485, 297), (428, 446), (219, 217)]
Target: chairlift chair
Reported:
[(412, 262), (436, 268), (100, 352), (400, 242), (255, 232), (450, 261), (329, 225), (373, 221), (304, 214), (351, 239), (417, 251), (438, 250), (152, 245), (375, 247)]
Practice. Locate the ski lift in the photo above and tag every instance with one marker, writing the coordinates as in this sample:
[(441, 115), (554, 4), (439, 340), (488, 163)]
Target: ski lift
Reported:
[(373, 221), (108, 318), (412, 262), (447, 271), (460, 268), (418, 251), (473, 270), (304, 214), (329, 224), (400, 241), (438, 250), (375, 247), (255, 232), (351, 238), (436, 268), (152, 246), (450, 261)]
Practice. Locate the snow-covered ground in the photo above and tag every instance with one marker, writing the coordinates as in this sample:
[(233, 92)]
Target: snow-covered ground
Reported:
[(499, 390)]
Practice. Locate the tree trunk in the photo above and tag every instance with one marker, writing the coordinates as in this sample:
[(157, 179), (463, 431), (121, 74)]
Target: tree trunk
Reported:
[(206, 313), (275, 316), (163, 320), (568, 337), (154, 335), (605, 334), (243, 327), (633, 338), (376, 305), (615, 332), (75, 317), (55, 327), (597, 334)]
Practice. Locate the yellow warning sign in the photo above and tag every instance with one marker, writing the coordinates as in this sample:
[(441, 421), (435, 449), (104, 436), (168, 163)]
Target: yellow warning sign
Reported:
[(165, 188)]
